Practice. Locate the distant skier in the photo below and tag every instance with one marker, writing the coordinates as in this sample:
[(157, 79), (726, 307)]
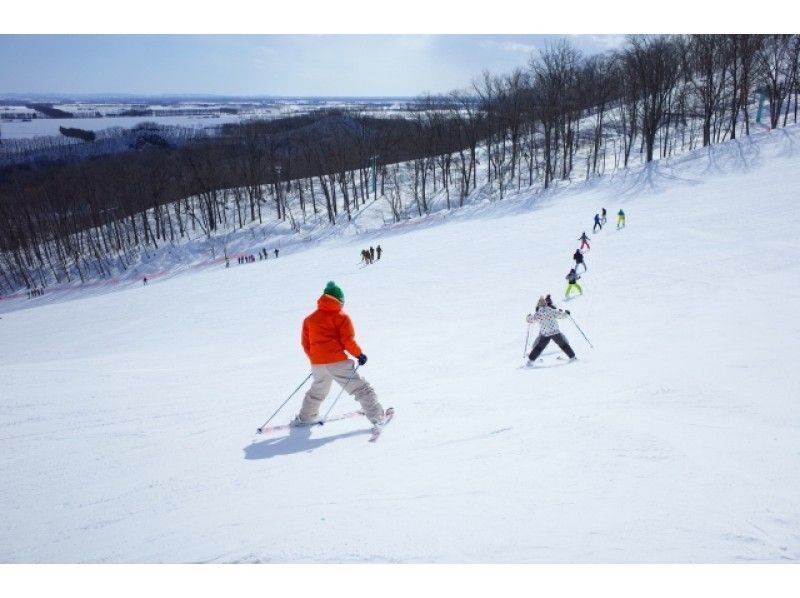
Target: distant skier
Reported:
[(378, 251), (276, 252), (597, 223), (603, 216), (548, 330), (572, 279), (327, 334), (620, 219), (578, 257), (371, 254), (144, 281), (584, 241)]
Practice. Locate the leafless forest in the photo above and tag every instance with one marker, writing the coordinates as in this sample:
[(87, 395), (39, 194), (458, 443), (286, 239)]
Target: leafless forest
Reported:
[(76, 209)]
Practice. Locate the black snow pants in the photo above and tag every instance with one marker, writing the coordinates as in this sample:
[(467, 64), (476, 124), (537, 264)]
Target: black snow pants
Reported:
[(543, 341)]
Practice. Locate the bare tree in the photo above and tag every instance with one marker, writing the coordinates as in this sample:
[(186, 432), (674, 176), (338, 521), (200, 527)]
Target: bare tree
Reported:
[(654, 65), (553, 100), (774, 60)]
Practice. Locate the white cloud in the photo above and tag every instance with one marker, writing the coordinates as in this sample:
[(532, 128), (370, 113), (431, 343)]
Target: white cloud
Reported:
[(603, 42), (510, 47)]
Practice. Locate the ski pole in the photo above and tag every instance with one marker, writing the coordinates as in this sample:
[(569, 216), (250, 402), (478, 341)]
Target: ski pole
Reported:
[(264, 425), (324, 419), (527, 335), (581, 331)]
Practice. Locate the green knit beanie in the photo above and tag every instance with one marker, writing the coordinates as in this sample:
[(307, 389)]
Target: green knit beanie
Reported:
[(334, 291)]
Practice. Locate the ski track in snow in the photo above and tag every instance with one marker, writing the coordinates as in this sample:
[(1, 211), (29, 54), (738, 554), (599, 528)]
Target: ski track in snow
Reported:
[(128, 417)]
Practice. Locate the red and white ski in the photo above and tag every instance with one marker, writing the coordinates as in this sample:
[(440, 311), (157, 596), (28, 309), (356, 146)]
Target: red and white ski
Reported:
[(280, 427)]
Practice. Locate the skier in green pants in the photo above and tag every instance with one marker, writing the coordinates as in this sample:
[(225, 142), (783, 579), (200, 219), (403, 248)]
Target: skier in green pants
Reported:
[(572, 279)]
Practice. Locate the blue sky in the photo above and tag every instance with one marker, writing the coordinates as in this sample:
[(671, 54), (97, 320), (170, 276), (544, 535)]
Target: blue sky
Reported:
[(279, 65)]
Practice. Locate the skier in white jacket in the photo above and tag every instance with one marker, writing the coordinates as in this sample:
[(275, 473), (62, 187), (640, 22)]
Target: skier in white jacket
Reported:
[(548, 330)]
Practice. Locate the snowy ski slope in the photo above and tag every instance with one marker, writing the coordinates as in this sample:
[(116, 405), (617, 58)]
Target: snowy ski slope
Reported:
[(128, 418)]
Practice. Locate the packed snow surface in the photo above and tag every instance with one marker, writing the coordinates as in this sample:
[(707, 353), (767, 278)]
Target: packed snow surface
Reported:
[(129, 417)]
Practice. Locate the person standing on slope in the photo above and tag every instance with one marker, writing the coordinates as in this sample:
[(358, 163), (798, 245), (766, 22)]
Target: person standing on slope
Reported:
[(603, 216), (572, 279), (597, 223), (327, 334), (620, 219), (584, 241), (578, 257), (548, 330), (549, 301)]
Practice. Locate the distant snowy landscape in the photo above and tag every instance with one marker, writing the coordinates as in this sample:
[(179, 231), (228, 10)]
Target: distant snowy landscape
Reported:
[(21, 122), (129, 412)]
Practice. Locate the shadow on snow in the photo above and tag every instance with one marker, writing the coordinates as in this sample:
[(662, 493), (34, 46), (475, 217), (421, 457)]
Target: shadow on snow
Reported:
[(299, 440)]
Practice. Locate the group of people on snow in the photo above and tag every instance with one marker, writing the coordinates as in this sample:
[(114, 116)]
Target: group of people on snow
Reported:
[(579, 258), (250, 259), (328, 335), (35, 293), (572, 276), (600, 220), (546, 313), (368, 255)]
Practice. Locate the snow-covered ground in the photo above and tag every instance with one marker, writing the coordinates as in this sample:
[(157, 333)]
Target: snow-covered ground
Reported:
[(128, 418)]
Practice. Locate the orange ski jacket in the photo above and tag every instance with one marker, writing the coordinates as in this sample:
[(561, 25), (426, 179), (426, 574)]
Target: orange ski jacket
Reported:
[(328, 332)]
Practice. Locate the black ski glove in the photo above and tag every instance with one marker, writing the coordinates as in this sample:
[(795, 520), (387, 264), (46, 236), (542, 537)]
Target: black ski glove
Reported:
[(362, 359)]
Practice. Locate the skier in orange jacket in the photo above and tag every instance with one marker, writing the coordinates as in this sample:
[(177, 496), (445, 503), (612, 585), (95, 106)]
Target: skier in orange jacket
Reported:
[(327, 333)]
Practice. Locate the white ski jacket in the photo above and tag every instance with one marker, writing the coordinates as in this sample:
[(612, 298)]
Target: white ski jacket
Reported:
[(546, 316)]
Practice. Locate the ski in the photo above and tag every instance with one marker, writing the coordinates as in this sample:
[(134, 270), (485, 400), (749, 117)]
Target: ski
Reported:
[(541, 360), (279, 427), (377, 429)]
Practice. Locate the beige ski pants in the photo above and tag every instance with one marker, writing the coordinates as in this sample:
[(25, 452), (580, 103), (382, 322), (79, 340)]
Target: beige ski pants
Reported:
[(358, 387)]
